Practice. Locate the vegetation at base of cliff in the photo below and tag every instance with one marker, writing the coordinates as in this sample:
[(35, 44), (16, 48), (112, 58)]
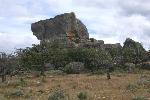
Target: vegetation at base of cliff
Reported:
[(38, 55), (94, 59)]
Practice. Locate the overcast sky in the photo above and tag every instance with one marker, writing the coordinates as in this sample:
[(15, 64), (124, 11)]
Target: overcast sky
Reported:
[(109, 20)]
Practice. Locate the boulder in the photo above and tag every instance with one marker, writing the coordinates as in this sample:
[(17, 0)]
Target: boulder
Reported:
[(147, 56), (146, 65), (49, 66), (93, 43), (109, 47), (129, 43), (65, 27), (74, 67)]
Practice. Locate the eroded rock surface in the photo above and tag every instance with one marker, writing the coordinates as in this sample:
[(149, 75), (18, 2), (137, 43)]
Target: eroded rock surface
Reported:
[(65, 26)]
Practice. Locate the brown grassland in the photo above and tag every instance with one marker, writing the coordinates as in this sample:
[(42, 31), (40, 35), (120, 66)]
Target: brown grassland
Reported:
[(121, 86)]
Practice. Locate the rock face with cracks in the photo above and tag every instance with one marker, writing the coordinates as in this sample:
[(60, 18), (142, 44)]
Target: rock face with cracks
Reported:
[(63, 27)]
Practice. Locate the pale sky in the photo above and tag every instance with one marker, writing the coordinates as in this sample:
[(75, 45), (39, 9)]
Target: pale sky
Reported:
[(109, 20)]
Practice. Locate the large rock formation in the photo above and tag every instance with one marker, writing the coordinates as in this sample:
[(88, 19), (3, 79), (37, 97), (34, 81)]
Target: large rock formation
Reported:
[(147, 56), (146, 65), (133, 51), (129, 43), (64, 27)]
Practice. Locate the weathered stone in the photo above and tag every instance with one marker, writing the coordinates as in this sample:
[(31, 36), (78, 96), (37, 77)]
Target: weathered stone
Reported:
[(49, 66), (147, 56), (100, 42), (93, 43), (133, 51), (74, 67), (64, 27), (112, 46), (146, 65)]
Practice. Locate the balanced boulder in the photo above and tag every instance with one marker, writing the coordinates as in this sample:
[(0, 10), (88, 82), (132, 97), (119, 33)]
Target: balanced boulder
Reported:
[(64, 27)]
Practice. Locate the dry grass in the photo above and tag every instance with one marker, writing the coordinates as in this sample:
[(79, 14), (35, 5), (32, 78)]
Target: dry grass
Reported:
[(97, 87)]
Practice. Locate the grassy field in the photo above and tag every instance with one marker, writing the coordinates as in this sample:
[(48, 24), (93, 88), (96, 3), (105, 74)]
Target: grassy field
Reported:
[(121, 86)]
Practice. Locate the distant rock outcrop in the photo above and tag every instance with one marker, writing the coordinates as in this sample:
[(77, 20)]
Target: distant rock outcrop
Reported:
[(147, 56), (146, 65), (112, 46), (64, 27), (93, 43), (133, 51), (67, 29)]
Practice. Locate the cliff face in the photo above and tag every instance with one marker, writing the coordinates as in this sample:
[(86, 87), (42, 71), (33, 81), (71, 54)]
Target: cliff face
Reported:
[(133, 51), (129, 43), (65, 26)]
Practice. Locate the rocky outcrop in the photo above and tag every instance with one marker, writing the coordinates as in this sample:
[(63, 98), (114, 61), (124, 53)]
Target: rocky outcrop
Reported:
[(147, 56), (133, 51), (129, 43), (67, 29), (64, 27), (146, 65), (94, 44), (112, 46)]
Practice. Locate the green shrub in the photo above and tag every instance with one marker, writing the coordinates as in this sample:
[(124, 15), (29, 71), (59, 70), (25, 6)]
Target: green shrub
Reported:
[(148, 90), (140, 98), (22, 82), (57, 95), (82, 96), (68, 69), (14, 94), (35, 57), (92, 58), (144, 81), (132, 87), (99, 72)]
